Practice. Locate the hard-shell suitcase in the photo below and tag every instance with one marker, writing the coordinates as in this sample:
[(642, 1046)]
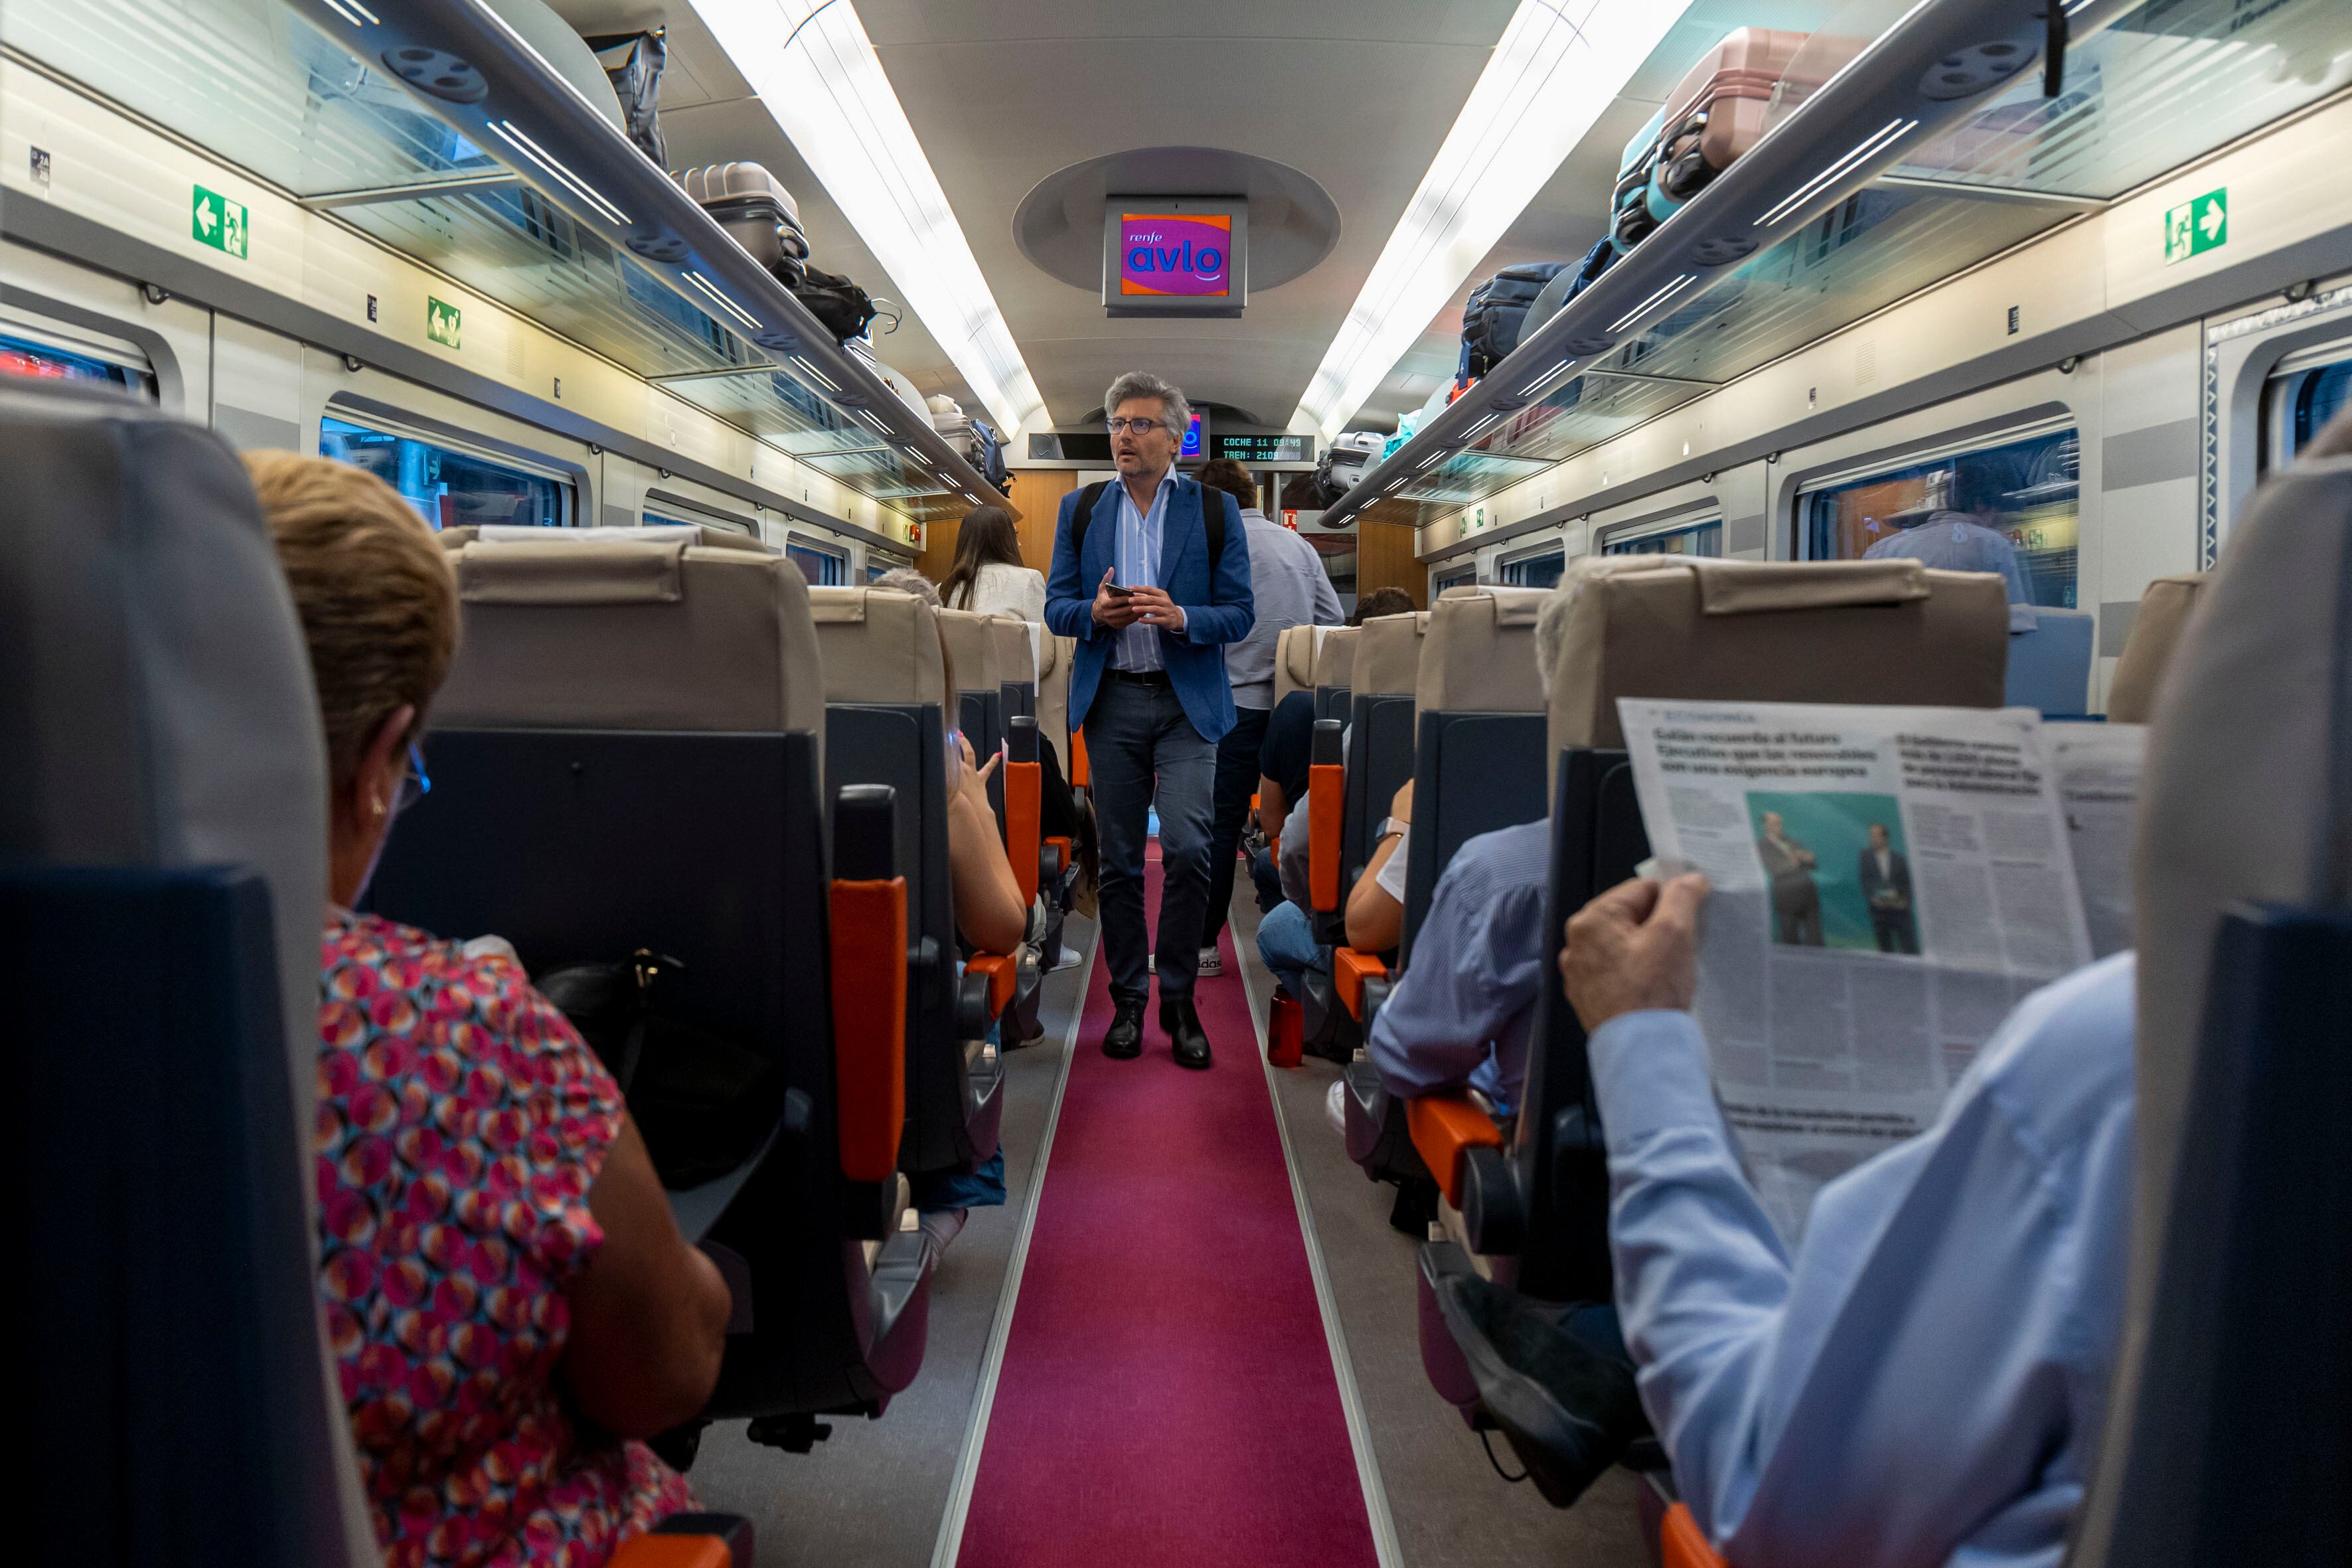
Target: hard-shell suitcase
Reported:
[(1723, 105), (1629, 209), (757, 212)]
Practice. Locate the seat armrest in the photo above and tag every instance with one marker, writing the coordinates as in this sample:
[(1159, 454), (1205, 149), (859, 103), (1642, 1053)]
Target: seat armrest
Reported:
[(1326, 806), (1444, 1128), (1082, 774), (1680, 1543), (868, 937), (1350, 969), (691, 1541), (1023, 792), (1062, 852), (1000, 971)]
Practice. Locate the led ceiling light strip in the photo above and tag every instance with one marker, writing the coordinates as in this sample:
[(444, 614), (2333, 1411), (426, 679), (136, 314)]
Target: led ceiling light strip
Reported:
[(817, 75), (1559, 65)]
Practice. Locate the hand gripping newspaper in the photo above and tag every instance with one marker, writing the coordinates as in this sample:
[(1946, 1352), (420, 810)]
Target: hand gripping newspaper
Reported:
[(1888, 883)]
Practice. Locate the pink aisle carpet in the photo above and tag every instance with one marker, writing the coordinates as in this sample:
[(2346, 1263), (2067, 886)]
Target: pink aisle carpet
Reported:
[(1167, 1398)]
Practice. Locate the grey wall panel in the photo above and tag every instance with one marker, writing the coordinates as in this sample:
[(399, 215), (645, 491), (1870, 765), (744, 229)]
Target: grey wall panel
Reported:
[(2161, 452)]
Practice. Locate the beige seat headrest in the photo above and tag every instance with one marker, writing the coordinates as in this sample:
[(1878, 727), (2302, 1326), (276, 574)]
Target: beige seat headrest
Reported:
[(1479, 656), (1335, 659), (705, 534), (880, 645), (1388, 655), (972, 650), (1015, 644), (632, 634), (1815, 631), (1293, 660), (2154, 632)]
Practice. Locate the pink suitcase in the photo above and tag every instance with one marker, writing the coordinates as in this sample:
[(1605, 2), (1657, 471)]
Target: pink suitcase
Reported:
[(1723, 105)]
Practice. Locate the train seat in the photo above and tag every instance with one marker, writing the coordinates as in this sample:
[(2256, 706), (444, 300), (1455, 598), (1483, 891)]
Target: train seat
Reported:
[(162, 834), (1478, 767), (886, 693), (1294, 661), (602, 685), (1013, 644), (2156, 630), (972, 648), (1385, 664), (2049, 663), (1883, 632), (1334, 668), (1060, 868), (2228, 1432)]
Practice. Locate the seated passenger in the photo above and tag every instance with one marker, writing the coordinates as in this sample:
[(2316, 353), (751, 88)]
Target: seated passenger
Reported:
[(1375, 912), (1925, 1378), (509, 1300), (1461, 1013)]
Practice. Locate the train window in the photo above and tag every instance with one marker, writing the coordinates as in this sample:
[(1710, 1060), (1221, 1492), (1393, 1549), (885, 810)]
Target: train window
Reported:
[(2307, 392), (656, 520), (824, 568), (449, 487), (1684, 538), (40, 361), (1461, 577), (1541, 570), (2013, 506), (875, 568)]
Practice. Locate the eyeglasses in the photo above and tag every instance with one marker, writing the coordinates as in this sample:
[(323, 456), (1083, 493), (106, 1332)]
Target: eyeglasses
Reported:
[(1132, 426), (415, 785)]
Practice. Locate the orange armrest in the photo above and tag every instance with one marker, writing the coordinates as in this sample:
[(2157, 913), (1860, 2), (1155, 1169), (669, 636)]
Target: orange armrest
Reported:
[(1350, 969), (1002, 969), (1081, 775), (1680, 1543), (1325, 797), (869, 1023), (1444, 1127), (1063, 851), (673, 1552), (1023, 783)]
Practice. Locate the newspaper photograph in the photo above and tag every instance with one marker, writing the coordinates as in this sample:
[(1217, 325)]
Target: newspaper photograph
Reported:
[(1888, 882)]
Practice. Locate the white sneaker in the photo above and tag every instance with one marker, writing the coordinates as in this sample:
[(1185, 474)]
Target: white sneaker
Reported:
[(1212, 962)]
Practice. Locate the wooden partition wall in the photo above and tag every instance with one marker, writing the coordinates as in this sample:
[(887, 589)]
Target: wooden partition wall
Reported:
[(1037, 495), (1384, 558)]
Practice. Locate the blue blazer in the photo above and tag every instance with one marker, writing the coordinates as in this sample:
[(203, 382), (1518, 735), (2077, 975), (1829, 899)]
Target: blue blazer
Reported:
[(1214, 595)]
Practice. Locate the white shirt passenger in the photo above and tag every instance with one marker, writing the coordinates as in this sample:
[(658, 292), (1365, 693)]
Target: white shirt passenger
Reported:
[(998, 589)]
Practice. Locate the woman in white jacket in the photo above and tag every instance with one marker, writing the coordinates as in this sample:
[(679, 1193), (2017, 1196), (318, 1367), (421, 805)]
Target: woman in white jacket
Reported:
[(988, 575)]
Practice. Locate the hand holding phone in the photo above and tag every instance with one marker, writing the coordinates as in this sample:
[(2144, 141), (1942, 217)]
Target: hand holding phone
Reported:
[(1114, 606)]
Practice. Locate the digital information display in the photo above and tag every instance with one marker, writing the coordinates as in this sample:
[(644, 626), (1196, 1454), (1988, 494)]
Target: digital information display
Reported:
[(1263, 448), (1175, 255), (1167, 253)]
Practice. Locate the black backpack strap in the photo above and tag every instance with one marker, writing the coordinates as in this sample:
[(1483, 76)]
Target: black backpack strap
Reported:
[(1216, 521), (1085, 515)]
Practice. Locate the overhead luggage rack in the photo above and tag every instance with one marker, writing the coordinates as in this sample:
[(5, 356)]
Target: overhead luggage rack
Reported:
[(1933, 151), (487, 165)]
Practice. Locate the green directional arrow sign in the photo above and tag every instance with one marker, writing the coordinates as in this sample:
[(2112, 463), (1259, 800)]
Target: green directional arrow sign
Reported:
[(2195, 227), (442, 321), (218, 221)]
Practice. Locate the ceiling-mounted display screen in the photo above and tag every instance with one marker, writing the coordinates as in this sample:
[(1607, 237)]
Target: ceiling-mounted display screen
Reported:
[(1175, 255), (1264, 448)]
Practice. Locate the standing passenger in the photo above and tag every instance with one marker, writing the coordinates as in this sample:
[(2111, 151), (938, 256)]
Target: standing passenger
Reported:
[(1134, 583), (1289, 588)]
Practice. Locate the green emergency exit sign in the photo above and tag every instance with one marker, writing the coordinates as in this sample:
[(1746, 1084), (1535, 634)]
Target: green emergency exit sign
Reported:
[(217, 221), (442, 321), (2195, 227)]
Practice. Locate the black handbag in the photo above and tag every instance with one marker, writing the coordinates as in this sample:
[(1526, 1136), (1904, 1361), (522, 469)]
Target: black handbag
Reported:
[(703, 1103), (840, 306)]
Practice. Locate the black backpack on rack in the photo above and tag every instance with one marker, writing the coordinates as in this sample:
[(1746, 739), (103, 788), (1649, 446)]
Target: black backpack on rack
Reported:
[(840, 306), (1490, 323)]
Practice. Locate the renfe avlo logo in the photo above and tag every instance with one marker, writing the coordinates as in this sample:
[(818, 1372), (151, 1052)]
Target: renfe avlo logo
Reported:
[(1161, 253)]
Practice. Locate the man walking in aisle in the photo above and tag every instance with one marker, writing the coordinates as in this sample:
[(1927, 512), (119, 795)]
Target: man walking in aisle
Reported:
[(1153, 583)]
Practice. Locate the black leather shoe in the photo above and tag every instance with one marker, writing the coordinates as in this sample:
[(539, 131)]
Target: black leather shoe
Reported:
[(1183, 1027), (1124, 1039)]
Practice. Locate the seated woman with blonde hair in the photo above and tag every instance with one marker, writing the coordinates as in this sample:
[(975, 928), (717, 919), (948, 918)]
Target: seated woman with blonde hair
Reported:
[(509, 1300)]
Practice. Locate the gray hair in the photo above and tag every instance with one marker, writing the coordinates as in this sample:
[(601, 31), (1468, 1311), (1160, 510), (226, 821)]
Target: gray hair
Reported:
[(1174, 412), (907, 580)]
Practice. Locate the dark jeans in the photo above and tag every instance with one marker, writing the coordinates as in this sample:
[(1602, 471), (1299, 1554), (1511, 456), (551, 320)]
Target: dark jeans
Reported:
[(1237, 777), (1140, 745), (1893, 929)]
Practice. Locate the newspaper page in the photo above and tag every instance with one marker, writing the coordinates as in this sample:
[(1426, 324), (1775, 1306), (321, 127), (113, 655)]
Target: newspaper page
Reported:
[(1888, 883), (2099, 782)]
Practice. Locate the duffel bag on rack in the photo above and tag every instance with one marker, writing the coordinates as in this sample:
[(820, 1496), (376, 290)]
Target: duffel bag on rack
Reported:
[(1490, 323), (840, 306)]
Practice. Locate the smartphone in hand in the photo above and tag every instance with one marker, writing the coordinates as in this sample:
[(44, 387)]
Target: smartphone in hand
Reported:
[(1118, 591)]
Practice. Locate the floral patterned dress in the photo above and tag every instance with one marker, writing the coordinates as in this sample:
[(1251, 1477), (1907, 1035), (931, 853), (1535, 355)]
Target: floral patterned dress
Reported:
[(461, 1122)]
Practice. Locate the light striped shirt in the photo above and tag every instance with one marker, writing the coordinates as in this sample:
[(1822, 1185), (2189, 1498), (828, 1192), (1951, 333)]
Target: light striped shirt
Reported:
[(1138, 647)]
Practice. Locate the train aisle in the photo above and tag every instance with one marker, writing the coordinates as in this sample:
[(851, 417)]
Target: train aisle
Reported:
[(1167, 1394)]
